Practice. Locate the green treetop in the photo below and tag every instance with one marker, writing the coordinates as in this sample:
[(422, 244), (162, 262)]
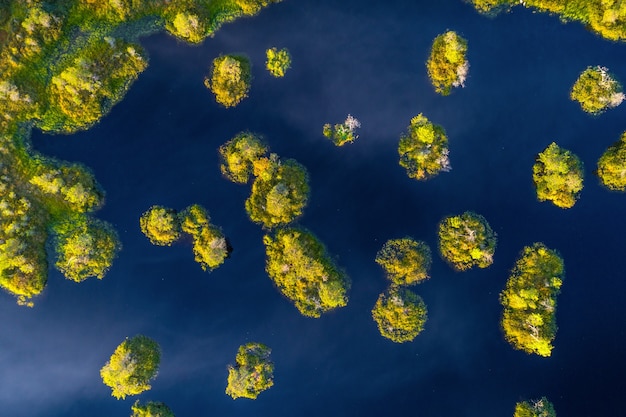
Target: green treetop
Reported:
[(342, 133), (278, 61), (466, 241), (210, 246), (253, 372), (405, 261), (230, 79), (400, 314), (424, 149), (558, 176), (303, 271), (612, 166), (596, 90), (131, 367), (537, 408), (151, 409), (529, 300), (161, 225), (447, 65), (239, 156)]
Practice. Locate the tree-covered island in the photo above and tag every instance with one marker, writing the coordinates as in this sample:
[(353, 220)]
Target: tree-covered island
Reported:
[(612, 166), (536, 408), (134, 363), (466, 241), (400, 314), (302, 270), (529, 300), (160, 225), (558, 176), (405, 261), (447, 64), (424, 149), (596, 90), (253, 372), (229, 79), (278, 61), (151, 409), (342, 133), (240, 155)]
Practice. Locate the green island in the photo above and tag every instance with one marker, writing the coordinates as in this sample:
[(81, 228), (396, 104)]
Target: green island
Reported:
[(253, 372), (596, 90), (424, 149), (447, 64), (405, 261), (229, 79), (607, 18), (558, 176), (301, 268), (163, 226), (278, 61), (240, 155), (342, 133), (612, 166), (537, 408), (63, 66), (151, 409), (466, 241), (400, 314), (529, 300), (131, 367)]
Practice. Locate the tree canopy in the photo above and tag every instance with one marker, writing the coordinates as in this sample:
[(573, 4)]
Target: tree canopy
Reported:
[(278, 61), (558, 176), (529, 300), (161, 225), (400, 314), (253, 372), (210, 246), (151, 409), (230, 79), (405, 261), (342, 133), (131, 367), (536, 408), (466, 241), (424, 149), (240, 155), (612, 166), (447, 64), (597, 90)]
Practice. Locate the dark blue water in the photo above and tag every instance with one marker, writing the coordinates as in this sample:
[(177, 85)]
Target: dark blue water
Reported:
[(366, 58)]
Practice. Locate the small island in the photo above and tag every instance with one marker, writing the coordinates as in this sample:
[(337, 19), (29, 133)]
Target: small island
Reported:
[(466, 241), (301, 268), (405, 261), (160, 225), (240, 155), (424, 149), (400, 314), (131, 367), (278, 61), (342, 133), (230, 79), (612, 166), (529, 300), (558, 176), (447, 65), (537, 408), (596, 90), (151, 409), (253, 372)]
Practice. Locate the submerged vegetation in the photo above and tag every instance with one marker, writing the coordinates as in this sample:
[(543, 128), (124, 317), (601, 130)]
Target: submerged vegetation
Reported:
[(405, 261), (466, 241), (131, 367), (537, 408), (597, 90), (278, 61), (342, 133), (230, 79), (253, 372), (151, 409), (529, 300), (424, 149), (558, 176), (400, 314), (612, 166), (447, 64)]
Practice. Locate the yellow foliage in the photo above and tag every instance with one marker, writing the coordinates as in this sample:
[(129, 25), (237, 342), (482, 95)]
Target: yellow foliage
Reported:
[(210, 247), (188, 27), (558, 176), (400, 315), (253, 373), (242, 155), (151, 409), (160, 225), (230, 79), (537, 408), (423, 149), (447, 65), (278, 61), (405, 261), (466, 241), (612, 166)]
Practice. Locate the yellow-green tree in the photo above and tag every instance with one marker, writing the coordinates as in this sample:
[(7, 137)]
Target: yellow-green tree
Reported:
[(558, 176), (161, 225), (253, 372), (535, 408), (278, 61), (151, 409), (466, 241), (612, 166), (597, 90), (229, 79), (239, 156), (400, 314), (424, 149), (210, 246), (447, 64), (303, 271), (529, 300), (133, 364), (405, 261), (342, 133)]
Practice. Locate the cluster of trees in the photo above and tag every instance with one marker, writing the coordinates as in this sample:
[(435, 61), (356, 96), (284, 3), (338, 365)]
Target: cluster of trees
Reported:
[(447, 64), (558, 176), (278, 61), (424, 149), (253, 372), (151, 409), (597, 90), (133, 364), (342, 133), (163, 226), (529, 300), (405, 261), (536, 408), (466, 241), (612, 166), (229, 79)]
